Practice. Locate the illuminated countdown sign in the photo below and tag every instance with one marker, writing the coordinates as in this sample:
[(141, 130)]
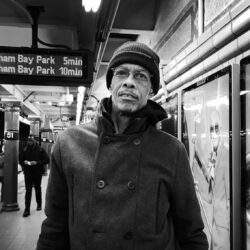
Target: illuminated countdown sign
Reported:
[(45, 66)]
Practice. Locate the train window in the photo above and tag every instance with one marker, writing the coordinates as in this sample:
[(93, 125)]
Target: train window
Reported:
[(206, 133), (245, 146), (170, 123)]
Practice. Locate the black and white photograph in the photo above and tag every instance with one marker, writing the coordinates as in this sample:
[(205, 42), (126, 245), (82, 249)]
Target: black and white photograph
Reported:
[(124, 125)]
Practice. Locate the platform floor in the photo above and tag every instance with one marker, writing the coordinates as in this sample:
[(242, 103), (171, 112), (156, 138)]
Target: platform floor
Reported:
[(16, 232)]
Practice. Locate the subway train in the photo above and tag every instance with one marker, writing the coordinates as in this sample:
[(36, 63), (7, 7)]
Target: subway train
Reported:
[(52, 76)]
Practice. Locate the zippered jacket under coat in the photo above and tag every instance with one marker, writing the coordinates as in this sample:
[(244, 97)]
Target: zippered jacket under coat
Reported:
[(129, 191)]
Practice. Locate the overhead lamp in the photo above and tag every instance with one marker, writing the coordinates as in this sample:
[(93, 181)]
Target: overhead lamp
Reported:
[(61, 104), (244, 92), (67, 98), (81, 89), (24, 120), (91, 5), (80, 97)]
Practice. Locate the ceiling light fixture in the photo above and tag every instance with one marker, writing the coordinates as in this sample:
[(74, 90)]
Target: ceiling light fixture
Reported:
[(80, 97), (91, 5)]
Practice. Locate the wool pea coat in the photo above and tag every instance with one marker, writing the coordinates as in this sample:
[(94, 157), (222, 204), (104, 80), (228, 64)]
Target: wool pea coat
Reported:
[(129, 191)]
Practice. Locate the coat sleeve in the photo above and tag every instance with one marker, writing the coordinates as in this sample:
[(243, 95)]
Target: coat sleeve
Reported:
[(54, 230), (187, 219), (44, 158)]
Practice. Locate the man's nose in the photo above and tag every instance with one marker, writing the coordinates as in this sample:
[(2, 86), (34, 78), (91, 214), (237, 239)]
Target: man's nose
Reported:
[(129, 82)]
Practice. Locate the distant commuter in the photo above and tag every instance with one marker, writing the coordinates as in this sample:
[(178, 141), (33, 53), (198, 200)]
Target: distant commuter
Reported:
[(118, 182), (32, 159)]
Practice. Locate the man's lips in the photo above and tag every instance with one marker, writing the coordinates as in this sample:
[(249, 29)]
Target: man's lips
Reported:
[(128, 95)]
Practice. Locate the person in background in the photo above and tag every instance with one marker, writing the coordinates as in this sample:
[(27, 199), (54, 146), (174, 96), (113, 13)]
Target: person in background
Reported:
[(213, 184), (118, 182), (218, 167), (32, 159)]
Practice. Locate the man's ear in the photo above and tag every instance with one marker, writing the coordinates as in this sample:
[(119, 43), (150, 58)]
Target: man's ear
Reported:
[(151, 93)]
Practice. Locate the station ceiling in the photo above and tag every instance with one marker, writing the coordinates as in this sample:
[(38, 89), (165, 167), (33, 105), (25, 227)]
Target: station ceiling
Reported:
[(115, 23)]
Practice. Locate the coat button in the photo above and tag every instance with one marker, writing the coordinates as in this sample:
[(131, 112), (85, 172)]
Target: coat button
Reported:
[(128, 236), (106, 139), (131, 185), (137, 141), (100, 184)]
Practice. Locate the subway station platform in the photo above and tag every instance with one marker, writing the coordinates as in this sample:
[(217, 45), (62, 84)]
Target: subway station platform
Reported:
[(16, 232)]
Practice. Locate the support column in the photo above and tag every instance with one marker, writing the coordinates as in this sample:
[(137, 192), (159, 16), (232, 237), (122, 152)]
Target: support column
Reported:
[(35, 127), (11, 137)]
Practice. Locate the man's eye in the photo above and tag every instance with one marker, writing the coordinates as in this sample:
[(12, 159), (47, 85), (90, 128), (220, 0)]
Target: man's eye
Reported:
[(141, 76), (211, 129), (216, 128), (121, 72)]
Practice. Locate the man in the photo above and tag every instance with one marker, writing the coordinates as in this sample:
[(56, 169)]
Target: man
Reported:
[(218, 166), (212, 176), (32, 159), (118, 182)]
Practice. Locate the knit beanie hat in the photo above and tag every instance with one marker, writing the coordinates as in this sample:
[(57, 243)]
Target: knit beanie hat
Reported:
[(136, 53)]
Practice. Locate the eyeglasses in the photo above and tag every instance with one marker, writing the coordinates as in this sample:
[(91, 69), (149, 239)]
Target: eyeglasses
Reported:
[(139, 75), (214, 128)]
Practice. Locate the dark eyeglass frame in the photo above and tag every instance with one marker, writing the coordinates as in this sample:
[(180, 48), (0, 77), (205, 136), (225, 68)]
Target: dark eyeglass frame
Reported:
[(215, 128), (140, 74)]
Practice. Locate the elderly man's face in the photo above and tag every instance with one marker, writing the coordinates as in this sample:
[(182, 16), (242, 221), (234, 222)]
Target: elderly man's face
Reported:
[(215, 130), (130, 88)]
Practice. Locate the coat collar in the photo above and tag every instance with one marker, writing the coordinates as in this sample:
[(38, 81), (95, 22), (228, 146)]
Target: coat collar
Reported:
[(148, 115)]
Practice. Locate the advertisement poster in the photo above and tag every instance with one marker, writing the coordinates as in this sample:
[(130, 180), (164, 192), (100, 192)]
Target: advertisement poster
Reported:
[(245, 137), (205, 133)]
